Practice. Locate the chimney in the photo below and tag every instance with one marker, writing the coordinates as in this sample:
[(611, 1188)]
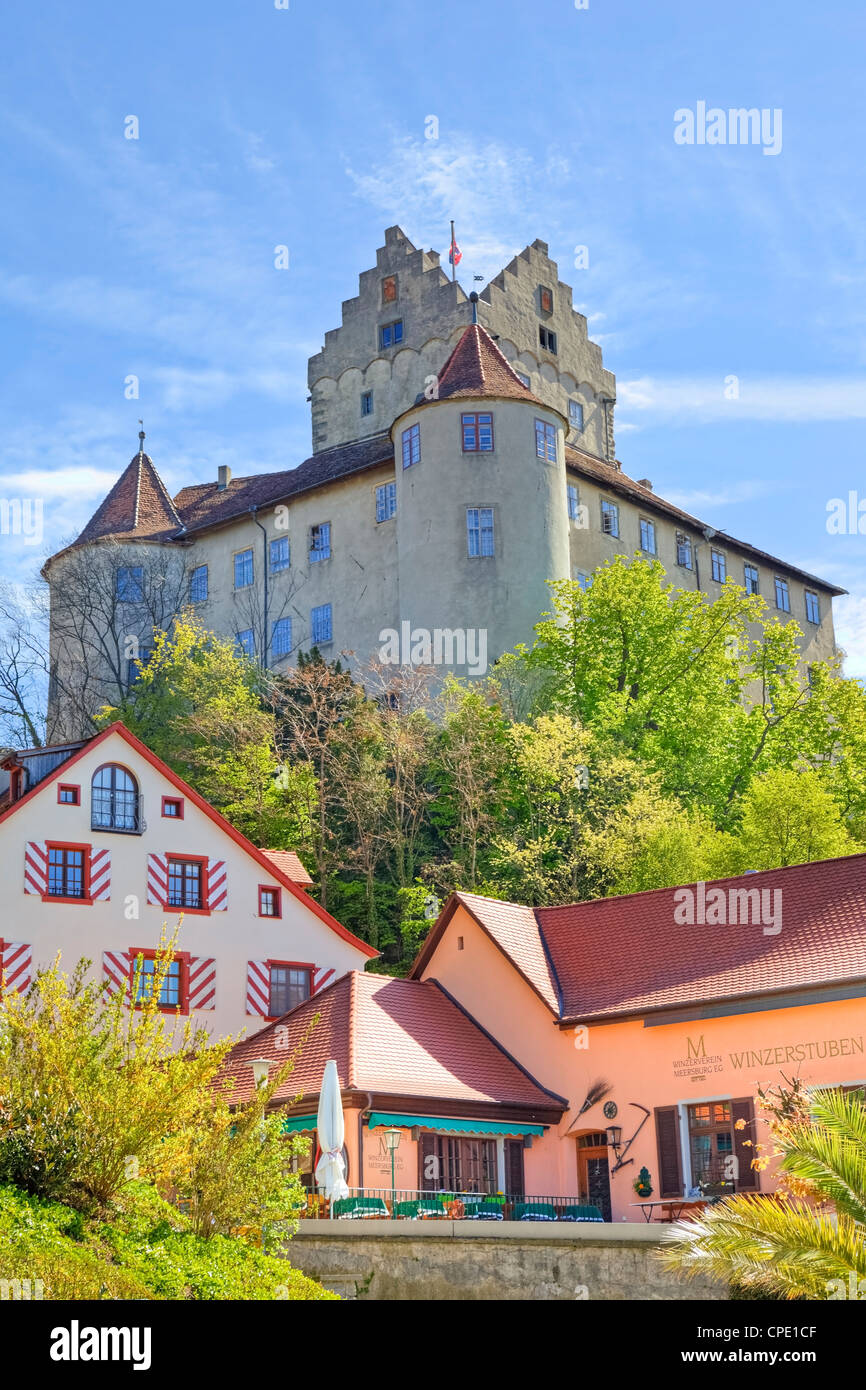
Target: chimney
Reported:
[(224, 476), (645, 482)]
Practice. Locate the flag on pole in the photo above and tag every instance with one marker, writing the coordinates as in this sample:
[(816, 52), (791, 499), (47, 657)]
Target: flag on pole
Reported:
[(455, 255)]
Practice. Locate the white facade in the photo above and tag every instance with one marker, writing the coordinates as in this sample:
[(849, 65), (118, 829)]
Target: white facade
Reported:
[(75, 886)]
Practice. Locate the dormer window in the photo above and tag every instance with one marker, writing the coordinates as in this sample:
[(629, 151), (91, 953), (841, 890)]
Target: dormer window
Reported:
[(115, 801)]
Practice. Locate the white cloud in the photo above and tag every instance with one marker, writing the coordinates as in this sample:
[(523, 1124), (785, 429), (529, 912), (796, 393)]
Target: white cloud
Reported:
[(691, 400), (850, 622)]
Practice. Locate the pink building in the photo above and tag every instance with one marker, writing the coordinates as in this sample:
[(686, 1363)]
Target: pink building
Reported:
[(557, 1052)]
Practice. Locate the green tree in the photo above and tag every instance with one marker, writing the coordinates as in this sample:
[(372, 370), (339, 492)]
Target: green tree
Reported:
[(789, 817), (198, 704)]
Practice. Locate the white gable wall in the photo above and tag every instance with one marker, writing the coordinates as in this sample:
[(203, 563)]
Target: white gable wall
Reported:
[(124, 919)]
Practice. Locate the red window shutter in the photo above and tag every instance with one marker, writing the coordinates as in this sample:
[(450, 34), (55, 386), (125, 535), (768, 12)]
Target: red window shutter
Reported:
[(217, 885), (157, 880), (100, 875), (258, 988), (16, 967), (202, 983), (320, 978), (35, 868), (747, 1178), (668, 1141), (116, 975)]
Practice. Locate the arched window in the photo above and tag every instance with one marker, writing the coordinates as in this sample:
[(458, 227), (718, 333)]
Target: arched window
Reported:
[(115, 802)]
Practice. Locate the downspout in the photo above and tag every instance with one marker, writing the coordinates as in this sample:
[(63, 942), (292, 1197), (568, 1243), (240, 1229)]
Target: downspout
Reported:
[(365, 1110), (266, 642)]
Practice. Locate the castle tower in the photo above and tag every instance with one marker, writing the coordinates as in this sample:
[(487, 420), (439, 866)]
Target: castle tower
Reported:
[(481, 503)]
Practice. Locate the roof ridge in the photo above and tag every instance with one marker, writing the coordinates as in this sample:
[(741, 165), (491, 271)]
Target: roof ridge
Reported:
[(350, 1041)]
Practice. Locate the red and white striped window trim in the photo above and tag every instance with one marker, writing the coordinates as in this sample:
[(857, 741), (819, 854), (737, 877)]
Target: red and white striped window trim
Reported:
[(16, 967), (259, 985), (97, 872), (214, 882)]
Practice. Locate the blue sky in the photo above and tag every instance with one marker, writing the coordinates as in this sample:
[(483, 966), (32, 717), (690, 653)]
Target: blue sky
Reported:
[(305, 127)]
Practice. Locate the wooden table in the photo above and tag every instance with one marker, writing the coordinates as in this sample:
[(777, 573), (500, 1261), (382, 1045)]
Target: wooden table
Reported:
[(675, 1206)]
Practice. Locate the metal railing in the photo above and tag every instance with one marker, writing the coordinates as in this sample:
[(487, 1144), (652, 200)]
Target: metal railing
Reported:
[(406, 1204), (122, 811)]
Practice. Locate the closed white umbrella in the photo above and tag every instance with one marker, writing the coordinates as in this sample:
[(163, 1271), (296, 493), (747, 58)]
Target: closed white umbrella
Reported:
[(330, 1169)]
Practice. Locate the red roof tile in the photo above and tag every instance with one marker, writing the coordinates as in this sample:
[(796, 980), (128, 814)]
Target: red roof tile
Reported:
[(391, 1037), (630, 955), (611, 476), (476, 367), (138, 505), (289, 864)]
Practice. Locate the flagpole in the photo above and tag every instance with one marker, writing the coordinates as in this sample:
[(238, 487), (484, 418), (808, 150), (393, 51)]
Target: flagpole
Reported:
[(453, 266)]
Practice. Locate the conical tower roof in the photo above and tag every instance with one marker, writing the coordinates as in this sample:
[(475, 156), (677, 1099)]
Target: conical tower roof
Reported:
[(137, 506), (477, 367)]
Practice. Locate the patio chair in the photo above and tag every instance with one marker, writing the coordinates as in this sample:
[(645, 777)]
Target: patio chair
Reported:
[(534, 1211), (483, 1211), (359, 1208), (425, 1209), (579, 1213)]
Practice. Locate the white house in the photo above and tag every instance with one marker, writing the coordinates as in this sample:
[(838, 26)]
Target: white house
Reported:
[(101, 844)]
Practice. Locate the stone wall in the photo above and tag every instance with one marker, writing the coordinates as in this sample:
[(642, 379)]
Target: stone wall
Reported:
[(458, 1261)]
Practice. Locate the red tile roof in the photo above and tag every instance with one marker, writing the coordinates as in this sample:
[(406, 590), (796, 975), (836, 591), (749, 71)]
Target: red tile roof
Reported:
[(625, 956), (391, 1037), (138, 506), (611, 476), (477, 367), (289, 864)]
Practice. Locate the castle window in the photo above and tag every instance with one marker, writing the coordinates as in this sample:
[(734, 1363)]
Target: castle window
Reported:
[(647, 536), (114, 800), (523, 377), (289, 987), (813, 608), (783, 597), (609, 517), (280, 554), (575, 415), (719, 568), (573, 503), (684, 551), (366, 402), (545, 441), (136, 664), (247, 642), (171, 994), (386, 501), (243, 569), (390, 334), (130, 584), (321, 625), (67, 876), (546, 338), (583, 579), (198, 584), (750, 575), (411, 445), (477, 433), (281, 637), (185, 883), (479, 528), (320, 542), (269, 902)]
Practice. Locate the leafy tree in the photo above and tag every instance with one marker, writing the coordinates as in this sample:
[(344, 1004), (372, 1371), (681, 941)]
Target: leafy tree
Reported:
[(789, 817), (468, 768), (197, 704)]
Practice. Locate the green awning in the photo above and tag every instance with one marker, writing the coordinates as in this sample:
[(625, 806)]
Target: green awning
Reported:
[(437, 1122), (299, 1124)]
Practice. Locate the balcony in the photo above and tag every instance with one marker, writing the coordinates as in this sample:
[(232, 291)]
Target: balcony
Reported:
[(119, 812)]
